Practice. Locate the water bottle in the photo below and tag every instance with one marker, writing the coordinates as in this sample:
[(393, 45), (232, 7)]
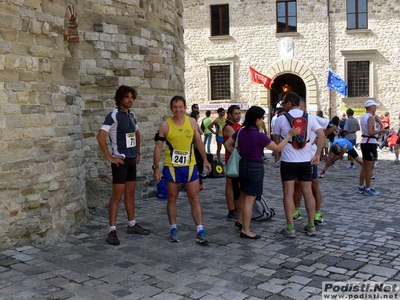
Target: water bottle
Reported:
[(205, 172)]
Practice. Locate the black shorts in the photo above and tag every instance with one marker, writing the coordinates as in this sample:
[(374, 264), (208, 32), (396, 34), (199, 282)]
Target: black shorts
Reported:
[(125, 172), (353, 153), (369, 151), (235, 187), (301, 170)]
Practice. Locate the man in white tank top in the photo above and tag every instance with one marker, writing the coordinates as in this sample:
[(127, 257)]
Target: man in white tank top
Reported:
[(369, 147)]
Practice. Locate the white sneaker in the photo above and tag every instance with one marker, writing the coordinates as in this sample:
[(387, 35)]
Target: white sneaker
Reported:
[(376, 164), (277, 164), (349, 166)]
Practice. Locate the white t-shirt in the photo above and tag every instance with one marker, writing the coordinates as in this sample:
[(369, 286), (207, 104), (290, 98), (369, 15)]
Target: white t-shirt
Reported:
[(289, 153), (323, 123)]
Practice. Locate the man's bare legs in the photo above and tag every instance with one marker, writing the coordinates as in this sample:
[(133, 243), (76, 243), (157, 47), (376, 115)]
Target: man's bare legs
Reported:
[(219, 147)]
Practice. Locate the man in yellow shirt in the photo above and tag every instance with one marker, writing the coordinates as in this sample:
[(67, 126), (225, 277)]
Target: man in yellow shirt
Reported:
[(179, 132)]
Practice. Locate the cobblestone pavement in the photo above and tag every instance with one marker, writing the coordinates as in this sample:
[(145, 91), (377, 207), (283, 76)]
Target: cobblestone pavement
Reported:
[(359, 240)]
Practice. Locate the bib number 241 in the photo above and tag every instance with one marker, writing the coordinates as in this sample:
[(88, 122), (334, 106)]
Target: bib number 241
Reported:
[(180, 157)]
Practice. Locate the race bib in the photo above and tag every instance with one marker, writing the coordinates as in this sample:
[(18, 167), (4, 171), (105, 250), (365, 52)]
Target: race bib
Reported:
[(180, 157), (130, 140)]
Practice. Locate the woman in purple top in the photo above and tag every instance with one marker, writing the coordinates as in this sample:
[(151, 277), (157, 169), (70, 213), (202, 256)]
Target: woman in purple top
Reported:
[(251, 145)]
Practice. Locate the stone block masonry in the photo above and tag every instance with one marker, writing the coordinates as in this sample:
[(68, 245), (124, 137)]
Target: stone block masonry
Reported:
[(56, 89)]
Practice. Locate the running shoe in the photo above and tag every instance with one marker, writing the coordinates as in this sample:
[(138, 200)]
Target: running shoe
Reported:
[(396, 161), (308, 230), (322, 175), (277, 164), (232, 216), (291, 234), (174, 235), (296, 215), (318, 220), (201, 237), (137, 229), (371, 192), (361, 190), (112, 238), (351, 166)]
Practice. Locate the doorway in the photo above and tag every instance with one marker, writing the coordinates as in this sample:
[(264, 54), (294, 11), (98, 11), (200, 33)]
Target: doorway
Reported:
[(283, 84)]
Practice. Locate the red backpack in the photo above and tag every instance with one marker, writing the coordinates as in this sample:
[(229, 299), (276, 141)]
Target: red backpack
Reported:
[(298, 141)]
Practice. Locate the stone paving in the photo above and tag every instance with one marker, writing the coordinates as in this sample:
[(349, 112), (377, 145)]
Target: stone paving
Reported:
[(359, 240)]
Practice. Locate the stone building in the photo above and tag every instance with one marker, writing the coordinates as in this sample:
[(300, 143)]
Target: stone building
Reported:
[(294, 43), (61, 62)]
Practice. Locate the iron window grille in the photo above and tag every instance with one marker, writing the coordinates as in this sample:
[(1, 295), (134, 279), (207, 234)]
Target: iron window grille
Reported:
[(220, 82), (358, 78)]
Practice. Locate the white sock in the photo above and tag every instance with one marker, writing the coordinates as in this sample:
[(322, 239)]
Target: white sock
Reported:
[(200, 227), (112, 228), (173, 226), (131, 223)]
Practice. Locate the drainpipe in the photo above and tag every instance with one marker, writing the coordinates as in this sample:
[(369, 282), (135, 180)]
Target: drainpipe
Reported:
[(329, 56)]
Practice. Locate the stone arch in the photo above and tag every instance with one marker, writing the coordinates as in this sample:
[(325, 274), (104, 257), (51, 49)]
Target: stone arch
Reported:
[(298, 68)]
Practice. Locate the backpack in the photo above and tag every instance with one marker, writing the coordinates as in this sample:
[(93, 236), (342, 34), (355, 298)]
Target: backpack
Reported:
[(298, 141), (261, 210), (202, 126)]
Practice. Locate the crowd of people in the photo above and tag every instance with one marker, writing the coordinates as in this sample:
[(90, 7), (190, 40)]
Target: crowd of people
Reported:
[(299, 141)]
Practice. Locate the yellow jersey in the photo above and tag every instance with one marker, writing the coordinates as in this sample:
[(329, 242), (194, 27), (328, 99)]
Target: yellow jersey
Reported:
[(179, 141)]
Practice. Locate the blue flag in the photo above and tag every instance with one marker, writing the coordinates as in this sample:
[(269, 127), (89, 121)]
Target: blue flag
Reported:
[(336, 83)]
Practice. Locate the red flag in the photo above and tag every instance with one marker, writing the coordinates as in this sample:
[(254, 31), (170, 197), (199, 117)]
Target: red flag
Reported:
[(257, 77)]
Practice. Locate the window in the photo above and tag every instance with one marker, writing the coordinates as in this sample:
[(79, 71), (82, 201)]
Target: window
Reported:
[(359, 71), (357, 14), (220, 77), (358, 78), (286, 16), (219, 20)]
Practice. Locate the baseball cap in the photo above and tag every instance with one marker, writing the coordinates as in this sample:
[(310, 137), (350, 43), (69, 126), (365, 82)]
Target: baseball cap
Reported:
[(370, 102)]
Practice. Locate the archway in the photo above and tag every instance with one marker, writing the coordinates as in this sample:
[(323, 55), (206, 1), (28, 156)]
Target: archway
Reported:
[(290, 81), (293, 71)]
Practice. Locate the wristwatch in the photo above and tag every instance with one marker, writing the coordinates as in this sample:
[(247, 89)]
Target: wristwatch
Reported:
[(154, 167)]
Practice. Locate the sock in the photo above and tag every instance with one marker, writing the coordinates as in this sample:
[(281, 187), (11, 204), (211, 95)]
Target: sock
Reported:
[(362, 187), (173, 226), (310, 224), (317, 212), (112, 228), (131, 223), (367, 189), (289, 226), (200, 227), (232, 211)]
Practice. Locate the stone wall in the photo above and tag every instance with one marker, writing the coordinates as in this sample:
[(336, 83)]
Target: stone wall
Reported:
[(58, 76), (320, 42)]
